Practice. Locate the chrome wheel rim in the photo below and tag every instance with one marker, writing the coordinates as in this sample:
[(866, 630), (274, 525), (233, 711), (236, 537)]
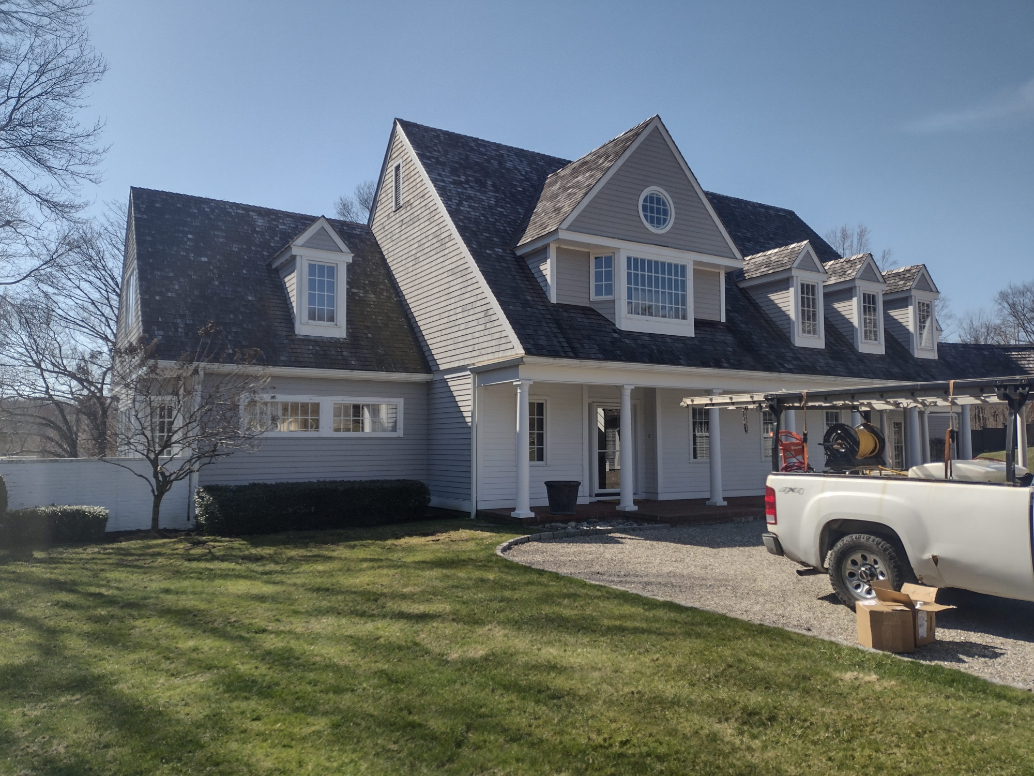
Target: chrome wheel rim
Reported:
[(860, 569)]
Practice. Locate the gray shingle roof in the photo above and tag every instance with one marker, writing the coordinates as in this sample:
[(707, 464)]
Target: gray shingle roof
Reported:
[(846, 268), (487, 188), (775, 260), (902, 278), (202, 259), (756, 228), (565, 188)]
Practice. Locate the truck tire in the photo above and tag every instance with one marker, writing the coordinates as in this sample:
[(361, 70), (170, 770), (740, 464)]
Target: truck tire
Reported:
[(856, 560)]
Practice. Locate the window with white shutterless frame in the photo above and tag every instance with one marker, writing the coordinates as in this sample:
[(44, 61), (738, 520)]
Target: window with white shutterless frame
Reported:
[(342, 417), (538, 423), (601, 284), (700, 434)]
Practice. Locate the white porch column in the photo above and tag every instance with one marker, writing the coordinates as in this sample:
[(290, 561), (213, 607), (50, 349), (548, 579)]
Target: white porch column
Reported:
[(926, 436), (790, 420), (626, 451), (521, 449), (714, 430), (856, 418), (915, 433), (1021, 440), (885, 425), (965, 446)]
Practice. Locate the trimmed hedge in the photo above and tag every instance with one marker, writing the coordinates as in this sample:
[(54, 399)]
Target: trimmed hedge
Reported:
[(52, 525), (262, 508)]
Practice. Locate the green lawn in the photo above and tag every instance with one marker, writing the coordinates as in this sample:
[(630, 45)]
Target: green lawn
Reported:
[(1000, 455), (417, 650)]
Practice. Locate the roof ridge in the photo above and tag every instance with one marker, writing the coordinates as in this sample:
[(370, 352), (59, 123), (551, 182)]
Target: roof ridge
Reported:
[(482, 140), (227, 202), (750, 201), (618, 136)]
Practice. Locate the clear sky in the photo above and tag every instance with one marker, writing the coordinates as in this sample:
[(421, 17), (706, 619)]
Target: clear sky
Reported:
[(915, 118)]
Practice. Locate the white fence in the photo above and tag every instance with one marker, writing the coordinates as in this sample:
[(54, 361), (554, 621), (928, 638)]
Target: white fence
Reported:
[(38, 482)]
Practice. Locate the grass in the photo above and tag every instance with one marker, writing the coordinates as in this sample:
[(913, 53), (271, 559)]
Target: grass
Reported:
[(416, 649), (999, 455)]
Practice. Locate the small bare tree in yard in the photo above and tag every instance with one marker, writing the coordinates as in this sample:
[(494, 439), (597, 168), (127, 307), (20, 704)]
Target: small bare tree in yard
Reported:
[(358, 206), (184, 415)]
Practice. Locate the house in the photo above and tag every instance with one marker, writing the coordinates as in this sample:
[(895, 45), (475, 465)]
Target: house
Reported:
[(507, 318)]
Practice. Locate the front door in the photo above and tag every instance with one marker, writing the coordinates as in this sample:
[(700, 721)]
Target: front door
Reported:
[(607, 452)]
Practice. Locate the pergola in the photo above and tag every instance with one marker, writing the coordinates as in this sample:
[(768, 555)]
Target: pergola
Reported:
[(910, 397)]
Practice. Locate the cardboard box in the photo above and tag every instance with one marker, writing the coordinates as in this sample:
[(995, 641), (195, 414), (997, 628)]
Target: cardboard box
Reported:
[(921, 602), (885, 626)]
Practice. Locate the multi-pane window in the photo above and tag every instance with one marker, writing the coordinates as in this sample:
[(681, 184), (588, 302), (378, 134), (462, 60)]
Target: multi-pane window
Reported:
[(284, 416), (924, 310), (603, 276), (396, 185), (656, 289), (365, 418), (537, 431), (768, 424), (897, 444), (870, 318), (656, 211), (322, 292), (701, 434), (129, 309), (832, 418), (809, 309), (164, 423)]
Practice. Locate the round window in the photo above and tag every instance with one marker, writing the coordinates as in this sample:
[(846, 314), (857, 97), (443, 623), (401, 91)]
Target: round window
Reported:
[(655, 209)]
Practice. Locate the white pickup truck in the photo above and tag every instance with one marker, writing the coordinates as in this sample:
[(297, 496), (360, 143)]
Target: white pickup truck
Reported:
[(969, 535)]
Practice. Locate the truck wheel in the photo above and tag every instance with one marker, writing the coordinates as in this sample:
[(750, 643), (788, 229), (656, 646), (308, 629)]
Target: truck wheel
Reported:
[(858, 560)]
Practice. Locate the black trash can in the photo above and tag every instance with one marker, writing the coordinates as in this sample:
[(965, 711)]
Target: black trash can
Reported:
[(563, 496)]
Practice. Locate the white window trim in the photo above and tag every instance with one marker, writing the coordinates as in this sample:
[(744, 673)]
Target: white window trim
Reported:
[(131, 295), (327, 416), (766, 444), (671, 208), (644, 323), (593, 255), (303, 326), (801, 340), (545, 414), (864, 345), (801, 283), (916, 299), (699, 461)]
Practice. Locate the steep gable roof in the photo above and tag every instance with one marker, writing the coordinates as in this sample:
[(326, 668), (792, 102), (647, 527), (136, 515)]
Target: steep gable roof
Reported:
[(851, 267), (564, 189), (488, 188), (775, 260), (201, 260), (904, 278)]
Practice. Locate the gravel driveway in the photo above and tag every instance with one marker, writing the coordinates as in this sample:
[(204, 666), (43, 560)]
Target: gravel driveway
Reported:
[(725, 568)]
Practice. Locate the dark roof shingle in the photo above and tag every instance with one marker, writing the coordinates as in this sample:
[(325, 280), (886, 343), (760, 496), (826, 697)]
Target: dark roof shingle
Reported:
[(201, 260)]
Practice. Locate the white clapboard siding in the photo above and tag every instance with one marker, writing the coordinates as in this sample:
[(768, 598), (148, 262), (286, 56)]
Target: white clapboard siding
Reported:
[(37, 482), (449, 439)]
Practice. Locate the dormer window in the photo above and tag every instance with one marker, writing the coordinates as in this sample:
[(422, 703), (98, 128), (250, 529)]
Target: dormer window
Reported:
[(313, 268), (924, 311), (322, 291), (656, 289), (870, 317), (603, 276), (809, 310)]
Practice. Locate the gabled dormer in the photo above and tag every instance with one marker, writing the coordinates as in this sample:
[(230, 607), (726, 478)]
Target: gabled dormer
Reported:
[(788, 284), (627, 230), (313, 268), (854, 301), (910, 309)]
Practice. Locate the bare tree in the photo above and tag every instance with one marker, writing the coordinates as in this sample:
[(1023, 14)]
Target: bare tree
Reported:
[(1015, 305), (357, 207), (183, 416), (853, 241), (981, 327), (47, 66), (56, 344)]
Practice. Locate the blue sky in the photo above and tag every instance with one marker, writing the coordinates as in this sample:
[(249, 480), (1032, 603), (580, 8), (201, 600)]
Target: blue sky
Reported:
[(914, 118)]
